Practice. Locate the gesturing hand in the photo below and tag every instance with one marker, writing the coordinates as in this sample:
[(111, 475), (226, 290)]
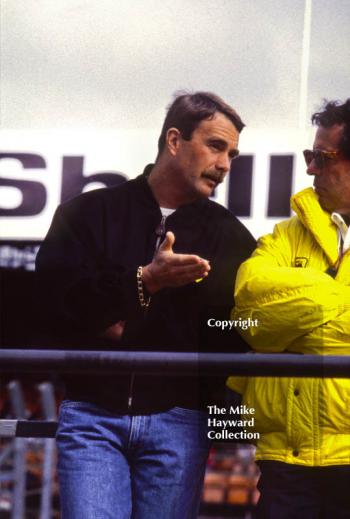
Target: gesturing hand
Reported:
[(169, 269)]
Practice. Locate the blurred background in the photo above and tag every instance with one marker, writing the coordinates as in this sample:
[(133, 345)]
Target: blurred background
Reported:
[(84, 87)]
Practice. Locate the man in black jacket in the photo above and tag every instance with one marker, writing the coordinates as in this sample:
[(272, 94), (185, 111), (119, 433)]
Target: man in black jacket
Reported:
[(143, 266)]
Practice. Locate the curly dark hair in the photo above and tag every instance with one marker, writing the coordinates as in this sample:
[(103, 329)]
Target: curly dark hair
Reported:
[(336, 113), (188, 110)]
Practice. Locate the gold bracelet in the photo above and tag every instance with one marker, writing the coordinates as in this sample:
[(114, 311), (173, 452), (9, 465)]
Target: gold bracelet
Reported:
[(143, 302)]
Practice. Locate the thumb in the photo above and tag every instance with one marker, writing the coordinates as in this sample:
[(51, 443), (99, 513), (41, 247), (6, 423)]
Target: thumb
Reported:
[(167, 244)]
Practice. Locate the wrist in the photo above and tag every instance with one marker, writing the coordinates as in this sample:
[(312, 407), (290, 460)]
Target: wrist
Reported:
[(149, 281), (144, 299)]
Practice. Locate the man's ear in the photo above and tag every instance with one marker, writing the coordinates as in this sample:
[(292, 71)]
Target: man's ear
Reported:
[(172, 140)]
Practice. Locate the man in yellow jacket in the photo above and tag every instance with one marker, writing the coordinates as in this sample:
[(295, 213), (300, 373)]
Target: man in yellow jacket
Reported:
[(297, 285)]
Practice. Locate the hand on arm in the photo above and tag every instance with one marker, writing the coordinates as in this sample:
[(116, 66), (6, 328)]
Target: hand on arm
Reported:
[(114, 332), (169, 269)]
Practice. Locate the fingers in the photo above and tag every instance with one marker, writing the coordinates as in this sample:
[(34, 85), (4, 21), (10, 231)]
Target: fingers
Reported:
[(169, 269), (168, 261), (178, 260), (168, 242), (166, 255), (171, 273), (178, 276), (179, 270)]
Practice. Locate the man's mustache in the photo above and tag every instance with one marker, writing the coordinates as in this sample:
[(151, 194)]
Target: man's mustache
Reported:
[(214, 175)]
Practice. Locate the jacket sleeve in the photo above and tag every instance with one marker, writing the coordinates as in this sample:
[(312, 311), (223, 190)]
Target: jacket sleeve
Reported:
[(82, 291), (288, 302)]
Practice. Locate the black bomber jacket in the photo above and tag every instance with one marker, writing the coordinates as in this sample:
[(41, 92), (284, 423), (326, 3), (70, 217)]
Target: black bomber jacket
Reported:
[(89, 260)]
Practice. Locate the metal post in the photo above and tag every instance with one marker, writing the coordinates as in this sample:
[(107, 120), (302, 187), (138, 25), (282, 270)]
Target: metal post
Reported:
[(20, 446), (304, 67), (49, 412)]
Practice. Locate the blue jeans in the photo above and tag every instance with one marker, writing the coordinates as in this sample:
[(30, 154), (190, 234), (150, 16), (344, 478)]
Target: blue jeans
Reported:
[(122, 466)]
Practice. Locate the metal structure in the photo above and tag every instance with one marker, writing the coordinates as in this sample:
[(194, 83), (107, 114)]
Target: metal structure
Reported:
[(151, 363), (13, 456), (175, 363)]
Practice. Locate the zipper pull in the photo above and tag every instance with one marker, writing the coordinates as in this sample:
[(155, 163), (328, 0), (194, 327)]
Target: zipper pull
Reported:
[(160, 230), (131, 388)]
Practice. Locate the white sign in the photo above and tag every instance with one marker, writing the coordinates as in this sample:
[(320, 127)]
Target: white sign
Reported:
[(40, 169)]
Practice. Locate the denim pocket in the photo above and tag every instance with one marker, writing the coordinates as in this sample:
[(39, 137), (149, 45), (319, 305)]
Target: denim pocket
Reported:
[(75, 415)]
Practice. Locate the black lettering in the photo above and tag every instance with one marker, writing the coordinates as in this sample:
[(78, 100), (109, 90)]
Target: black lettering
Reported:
[(240, 185), (280, 185), (73, 180), (33, 193)]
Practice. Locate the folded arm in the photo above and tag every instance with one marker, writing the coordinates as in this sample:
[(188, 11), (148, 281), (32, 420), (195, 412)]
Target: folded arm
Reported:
[(288, 302)]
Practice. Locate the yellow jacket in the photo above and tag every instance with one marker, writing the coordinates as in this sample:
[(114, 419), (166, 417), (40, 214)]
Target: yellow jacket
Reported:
[(300, 309)]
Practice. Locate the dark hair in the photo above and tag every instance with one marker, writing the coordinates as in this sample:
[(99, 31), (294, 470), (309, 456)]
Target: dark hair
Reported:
[(188, 110), (336, 113)]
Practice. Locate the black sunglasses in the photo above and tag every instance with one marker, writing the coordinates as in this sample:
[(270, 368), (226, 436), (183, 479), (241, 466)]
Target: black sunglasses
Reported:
[(320, 157)]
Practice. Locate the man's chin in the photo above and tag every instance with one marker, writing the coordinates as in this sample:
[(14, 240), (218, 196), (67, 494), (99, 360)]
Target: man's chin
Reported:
[(199, 194), (208, 187), (324, 203), (210, 193), (203, 190)]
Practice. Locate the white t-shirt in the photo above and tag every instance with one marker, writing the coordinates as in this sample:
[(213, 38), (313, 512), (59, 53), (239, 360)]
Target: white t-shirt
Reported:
[(343, 232)]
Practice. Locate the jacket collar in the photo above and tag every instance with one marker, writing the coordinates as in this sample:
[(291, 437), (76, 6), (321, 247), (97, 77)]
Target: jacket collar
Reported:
[(317, 221), (191, 211)]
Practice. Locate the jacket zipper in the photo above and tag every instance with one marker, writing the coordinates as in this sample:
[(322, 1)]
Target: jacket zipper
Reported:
[(160, 232), (131, 387)]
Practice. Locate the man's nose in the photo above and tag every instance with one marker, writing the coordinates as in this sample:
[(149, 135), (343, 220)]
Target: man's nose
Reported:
[(312, 169), (223, 163)]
